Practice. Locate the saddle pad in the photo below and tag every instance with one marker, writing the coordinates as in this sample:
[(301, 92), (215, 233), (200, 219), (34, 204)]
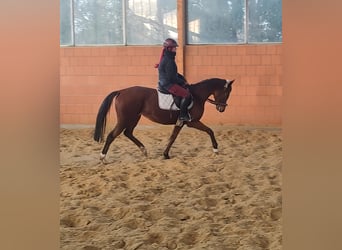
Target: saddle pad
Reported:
[(166, 101)]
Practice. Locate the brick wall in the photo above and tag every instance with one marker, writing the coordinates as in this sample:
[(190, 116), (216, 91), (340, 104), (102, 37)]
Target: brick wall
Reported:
[(88, 74), (257, 92)]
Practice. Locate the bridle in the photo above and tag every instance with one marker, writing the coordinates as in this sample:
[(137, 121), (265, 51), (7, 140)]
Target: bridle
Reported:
[(219, 103), (216, 103)]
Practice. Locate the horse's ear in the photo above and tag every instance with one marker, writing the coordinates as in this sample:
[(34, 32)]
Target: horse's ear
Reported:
[(231, 82)]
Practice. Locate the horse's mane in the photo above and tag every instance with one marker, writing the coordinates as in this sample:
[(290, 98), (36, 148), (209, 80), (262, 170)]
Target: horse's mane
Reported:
[(206, 80), (204, 85)]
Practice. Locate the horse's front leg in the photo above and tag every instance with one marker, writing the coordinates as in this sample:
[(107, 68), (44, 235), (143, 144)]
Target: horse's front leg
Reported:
[(200, 126), (175, 132)]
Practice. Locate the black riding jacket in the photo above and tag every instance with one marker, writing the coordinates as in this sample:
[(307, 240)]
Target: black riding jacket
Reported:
[(168, 73)]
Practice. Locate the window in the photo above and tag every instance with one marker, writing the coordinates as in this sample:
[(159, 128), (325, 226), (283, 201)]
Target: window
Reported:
[(66, 27), (98, 22), (234, 21), (150, 22), (264, 21), (103, 22)]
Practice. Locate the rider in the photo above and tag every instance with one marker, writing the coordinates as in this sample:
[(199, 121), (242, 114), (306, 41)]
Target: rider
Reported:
[(169, 79)]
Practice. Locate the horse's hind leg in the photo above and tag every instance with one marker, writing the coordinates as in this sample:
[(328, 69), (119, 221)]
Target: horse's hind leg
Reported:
[(129, 133), (175, 132), (110, 138)]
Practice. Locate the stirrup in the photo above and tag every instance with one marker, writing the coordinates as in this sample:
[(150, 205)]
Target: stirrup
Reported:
[(185, 118)]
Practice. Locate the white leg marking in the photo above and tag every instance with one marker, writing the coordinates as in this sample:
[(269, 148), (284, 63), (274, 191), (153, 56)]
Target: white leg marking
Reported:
[(102, 156)]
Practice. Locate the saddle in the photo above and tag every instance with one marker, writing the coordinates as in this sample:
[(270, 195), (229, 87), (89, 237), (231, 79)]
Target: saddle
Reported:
[(168, 101)]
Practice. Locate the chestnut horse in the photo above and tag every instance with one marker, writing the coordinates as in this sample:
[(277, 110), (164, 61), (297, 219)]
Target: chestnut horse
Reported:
[(133, 102)]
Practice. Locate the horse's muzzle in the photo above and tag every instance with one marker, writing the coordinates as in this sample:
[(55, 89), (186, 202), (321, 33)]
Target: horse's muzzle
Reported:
[(220, 108)]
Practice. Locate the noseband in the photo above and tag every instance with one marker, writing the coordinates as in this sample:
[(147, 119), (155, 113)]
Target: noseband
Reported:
[(216, 103), (219, 103)]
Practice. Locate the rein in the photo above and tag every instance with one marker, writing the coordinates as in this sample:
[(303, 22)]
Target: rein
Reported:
[(216, 103)]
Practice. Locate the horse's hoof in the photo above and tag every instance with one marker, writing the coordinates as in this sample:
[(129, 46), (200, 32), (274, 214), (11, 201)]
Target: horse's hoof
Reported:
[(103, 158), (166, 156), (104, 162), (144, 151)]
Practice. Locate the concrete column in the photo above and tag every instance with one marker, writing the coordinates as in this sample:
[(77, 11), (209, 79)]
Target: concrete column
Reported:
[(180, 58)]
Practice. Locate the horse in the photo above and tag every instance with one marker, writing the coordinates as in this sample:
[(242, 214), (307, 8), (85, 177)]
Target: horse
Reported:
[(133, 102)]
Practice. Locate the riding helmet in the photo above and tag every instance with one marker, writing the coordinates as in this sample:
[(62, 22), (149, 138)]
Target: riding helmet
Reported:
[(170, 43)]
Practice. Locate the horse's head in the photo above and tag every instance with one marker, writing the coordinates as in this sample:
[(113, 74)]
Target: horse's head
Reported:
[(221, 95)]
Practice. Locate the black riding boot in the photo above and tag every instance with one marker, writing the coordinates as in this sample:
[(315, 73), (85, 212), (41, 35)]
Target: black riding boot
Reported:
[(184, 114)]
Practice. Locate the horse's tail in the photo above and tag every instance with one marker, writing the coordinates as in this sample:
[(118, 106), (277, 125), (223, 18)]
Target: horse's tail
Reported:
[(101, 118)]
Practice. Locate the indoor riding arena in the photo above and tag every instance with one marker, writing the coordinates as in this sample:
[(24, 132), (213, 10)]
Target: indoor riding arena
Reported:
[(199, 198)]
